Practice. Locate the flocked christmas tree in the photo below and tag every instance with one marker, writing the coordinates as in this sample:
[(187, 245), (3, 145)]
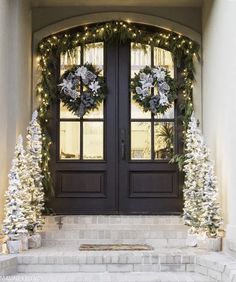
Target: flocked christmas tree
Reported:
[(17, 197), (201, 207), (193, 185), (34, 157), (211, 219)]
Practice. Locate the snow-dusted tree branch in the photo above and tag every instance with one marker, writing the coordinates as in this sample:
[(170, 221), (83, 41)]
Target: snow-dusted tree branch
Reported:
[(201, 207)]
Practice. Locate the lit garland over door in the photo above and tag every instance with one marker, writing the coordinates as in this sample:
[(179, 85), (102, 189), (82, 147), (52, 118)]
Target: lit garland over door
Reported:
[(184, 52)]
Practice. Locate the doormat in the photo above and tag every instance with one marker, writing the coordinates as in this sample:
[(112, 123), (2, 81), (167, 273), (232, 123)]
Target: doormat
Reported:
[(115, 247)]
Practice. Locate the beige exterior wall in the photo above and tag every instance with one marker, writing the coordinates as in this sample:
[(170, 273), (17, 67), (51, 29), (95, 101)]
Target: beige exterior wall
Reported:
[(15, 80), (219, 99)]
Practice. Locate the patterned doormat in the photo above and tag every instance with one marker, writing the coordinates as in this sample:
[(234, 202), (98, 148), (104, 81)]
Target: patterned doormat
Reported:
[(115, 247)]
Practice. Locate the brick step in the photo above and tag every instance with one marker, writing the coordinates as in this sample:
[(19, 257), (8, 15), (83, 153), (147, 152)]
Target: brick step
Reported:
[(64, 260), (158, 231), (8, 264), (110, 277), (80, 220), (61, 261)]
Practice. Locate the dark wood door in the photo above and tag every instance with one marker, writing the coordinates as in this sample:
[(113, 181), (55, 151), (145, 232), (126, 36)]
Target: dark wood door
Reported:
[(148, 183), (115, 160)]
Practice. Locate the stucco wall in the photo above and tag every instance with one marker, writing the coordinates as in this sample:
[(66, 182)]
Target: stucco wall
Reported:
[(219, 98), (15, 80), (190, 17)]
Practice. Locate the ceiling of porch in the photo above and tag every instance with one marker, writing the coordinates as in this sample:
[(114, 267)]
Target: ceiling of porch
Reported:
[(153, 3)]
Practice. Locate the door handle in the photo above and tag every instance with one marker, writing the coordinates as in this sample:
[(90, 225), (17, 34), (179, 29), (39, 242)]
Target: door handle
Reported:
[(122, 150), (122, 143)]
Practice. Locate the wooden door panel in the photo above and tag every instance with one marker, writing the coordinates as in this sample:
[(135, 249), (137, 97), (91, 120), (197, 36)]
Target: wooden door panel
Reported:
[(89, 186), (152, 184), (81, 184), (145, 186)]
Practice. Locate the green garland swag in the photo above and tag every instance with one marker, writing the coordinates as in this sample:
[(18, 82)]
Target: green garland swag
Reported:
[(184, 52), (82, 89), (144, 84)]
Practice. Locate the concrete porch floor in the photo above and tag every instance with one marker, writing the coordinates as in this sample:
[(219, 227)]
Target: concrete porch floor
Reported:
[(108, 277)]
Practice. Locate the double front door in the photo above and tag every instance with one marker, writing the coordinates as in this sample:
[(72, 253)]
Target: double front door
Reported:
[(115, 160)]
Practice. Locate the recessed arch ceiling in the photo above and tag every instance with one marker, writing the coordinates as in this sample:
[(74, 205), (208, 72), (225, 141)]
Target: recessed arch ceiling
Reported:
[(153, 3)]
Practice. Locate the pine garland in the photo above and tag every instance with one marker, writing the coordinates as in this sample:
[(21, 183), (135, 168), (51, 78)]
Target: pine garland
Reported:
[(184, 52)]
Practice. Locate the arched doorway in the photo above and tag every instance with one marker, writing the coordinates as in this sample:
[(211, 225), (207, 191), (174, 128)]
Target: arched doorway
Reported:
[(116, 159)]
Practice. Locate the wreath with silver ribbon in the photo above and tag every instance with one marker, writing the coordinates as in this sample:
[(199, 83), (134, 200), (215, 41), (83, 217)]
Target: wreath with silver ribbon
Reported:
[(153, 89), (82, 89)]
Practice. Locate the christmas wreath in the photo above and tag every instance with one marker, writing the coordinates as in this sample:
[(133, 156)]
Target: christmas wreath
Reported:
[(153, 89), (82, 89)]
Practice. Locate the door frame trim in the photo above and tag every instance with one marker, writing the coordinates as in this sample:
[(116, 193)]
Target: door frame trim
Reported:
[(109, 16)]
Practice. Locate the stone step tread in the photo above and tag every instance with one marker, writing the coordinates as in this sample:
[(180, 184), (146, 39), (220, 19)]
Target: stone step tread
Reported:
[(110, 277), (114, 219), (59, 250), (47, 255), (116, 228)]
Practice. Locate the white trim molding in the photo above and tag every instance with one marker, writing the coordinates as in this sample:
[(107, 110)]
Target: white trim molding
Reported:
[(102, 17)]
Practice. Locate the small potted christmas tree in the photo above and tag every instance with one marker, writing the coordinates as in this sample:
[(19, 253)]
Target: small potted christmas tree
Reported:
[(15, 222), (201, 207), (34, 158), (210, 219)]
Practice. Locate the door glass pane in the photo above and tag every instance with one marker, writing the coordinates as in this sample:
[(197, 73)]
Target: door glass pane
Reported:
[(140, 57), (69, 140), (163, 58), (67, 60), (93, 140), (169, 114), (97, 113), (65, 113), (93, 54), (140, 140), (137, 111), (164, 140)]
